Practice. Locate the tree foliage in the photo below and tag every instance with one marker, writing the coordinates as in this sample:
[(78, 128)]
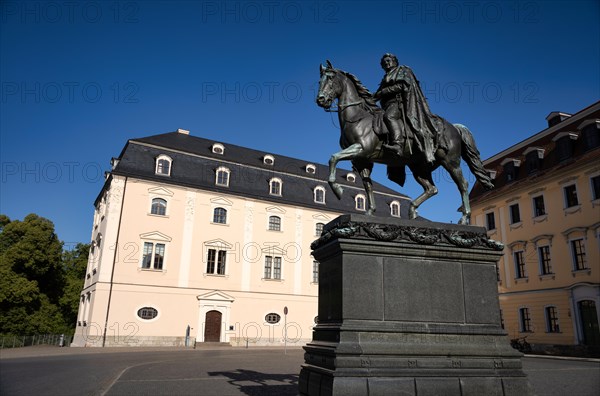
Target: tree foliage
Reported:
[(39, 283)]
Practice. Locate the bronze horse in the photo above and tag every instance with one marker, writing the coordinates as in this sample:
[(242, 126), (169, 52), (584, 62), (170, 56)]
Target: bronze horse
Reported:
[(362, 146)]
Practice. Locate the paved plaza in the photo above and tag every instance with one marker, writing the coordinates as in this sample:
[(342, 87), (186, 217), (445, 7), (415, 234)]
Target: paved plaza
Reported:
[(214, 371)]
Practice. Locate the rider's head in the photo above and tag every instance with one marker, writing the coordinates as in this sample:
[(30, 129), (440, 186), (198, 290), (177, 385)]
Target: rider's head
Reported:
[(388, 60)]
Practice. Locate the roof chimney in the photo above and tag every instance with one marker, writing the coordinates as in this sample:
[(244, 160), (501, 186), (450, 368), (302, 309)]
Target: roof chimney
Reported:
[(179, 130)]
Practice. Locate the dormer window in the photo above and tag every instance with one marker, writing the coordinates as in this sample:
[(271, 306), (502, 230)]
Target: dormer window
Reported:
[(492, 173), (218, 148), (275, 185), (163, 165), (310, 168), (533, 157), (511, 166), (556, 117), (564, 145), (395, 209), (351, 177), (359, 200), (268, 159), (222, 176), (319, 194), (590, 130)]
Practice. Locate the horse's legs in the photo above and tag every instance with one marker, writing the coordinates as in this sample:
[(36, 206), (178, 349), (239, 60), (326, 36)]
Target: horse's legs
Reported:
[(429, 190), (346, 154), (463, 187), (364, 169)]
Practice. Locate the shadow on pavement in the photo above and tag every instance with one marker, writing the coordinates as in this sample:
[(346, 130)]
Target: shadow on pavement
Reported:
[(255, 383)]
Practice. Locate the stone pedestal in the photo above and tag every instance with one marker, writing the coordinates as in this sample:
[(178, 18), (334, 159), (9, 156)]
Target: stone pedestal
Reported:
[(408, 308)]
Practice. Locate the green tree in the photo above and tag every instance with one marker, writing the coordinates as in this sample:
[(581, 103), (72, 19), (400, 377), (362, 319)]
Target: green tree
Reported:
[(32, 277), (74, 266)]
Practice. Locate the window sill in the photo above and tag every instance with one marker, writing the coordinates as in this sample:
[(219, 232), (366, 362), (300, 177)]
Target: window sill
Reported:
[(314, 283), (572, 209), (539, 219), (274, 230), (554, 332), (215, 275), (151, 270), (272, 280), (585, 271), (158, 215), (547, 277), (492, 232), (162, 174), (516, 225), (219, 224), (525, 279), (222, 185)]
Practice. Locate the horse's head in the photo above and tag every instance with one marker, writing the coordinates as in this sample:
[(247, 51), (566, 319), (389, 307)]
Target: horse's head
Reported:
[(329, 86)]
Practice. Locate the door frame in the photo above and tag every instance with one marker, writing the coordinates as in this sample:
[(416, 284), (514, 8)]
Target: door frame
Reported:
[(214, 301)]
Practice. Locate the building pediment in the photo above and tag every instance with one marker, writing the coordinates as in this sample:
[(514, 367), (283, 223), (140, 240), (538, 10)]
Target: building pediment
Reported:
[(215, 295), (160, 191), (275, 209), (321, 217), (219, 244), (156, 236), (221, 201), (274, 250)]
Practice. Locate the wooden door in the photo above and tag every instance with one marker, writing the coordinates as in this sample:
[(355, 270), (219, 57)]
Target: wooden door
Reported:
[(212, 326)]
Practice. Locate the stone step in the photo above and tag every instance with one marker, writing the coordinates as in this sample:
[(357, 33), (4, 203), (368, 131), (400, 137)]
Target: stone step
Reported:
[(213, 345)]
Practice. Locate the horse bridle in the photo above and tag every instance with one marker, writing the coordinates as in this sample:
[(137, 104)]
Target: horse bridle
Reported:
[(340, 106)]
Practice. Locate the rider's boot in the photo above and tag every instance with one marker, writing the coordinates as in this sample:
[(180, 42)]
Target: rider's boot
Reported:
[(397, 146)]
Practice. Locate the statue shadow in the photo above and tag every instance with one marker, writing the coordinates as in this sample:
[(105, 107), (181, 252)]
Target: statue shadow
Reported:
[(255, 383)]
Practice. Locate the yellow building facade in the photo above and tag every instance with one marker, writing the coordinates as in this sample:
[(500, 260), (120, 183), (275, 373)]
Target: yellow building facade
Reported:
[(546, 210)]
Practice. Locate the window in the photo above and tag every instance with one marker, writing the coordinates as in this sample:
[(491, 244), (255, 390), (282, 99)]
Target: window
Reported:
[(591, 135), (218, 148), (578, 252), (222, 177), (268, 159), (571, 196), (490, 221), (525, 320), (533, 161), (272, 267), (310, 168), (510, 171), (515, 214), (564, 148), (315, 277), (544, 257), (154, 255), (395, 209), (552, 320), (275, 186), (519, 264), (159, 207), (163, 165), (319, 193), (147, 313), (215, 261), (272, 318), (359, 201), (274, 223), (351, 177), (539, 209), (319, 229), (595, 181), (220, 216)]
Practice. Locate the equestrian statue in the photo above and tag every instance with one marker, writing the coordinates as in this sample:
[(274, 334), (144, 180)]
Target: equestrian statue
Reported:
[(402, 132)]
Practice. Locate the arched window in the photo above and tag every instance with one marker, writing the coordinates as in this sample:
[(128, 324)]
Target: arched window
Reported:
[(275, 185), (319, 194), (274, 223), (395, 209), (351, 177), (360, 202), (163, 165), (159, 207), (220, 216), (222, 177)]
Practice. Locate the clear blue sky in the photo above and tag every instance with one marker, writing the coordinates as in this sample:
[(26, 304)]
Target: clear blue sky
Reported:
[(78, 80)]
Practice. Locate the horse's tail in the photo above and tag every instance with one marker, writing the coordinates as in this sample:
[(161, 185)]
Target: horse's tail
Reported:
[(471, 156)]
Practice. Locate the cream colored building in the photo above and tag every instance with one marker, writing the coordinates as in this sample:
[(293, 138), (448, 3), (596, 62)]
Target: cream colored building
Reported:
[(191, 232), (546, 210)]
